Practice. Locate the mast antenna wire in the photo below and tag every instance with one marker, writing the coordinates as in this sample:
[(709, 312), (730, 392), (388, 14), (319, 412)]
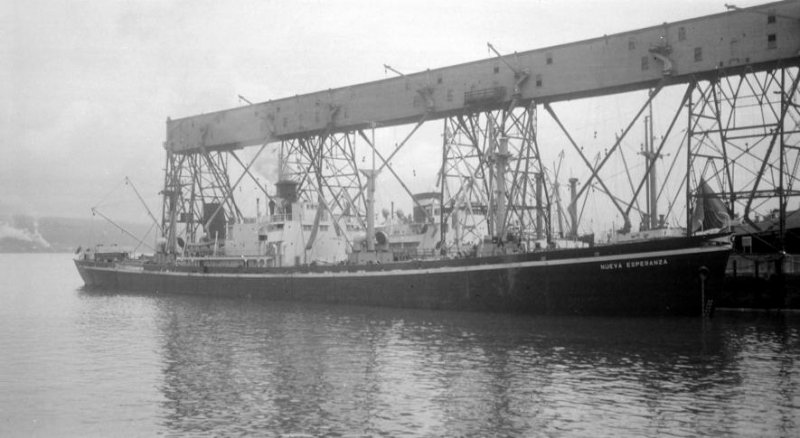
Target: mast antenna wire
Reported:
[(144, 204), (141, 242), (113, 189), (97, 212)]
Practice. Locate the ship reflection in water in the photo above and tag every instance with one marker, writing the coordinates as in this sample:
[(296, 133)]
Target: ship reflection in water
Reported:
[(249, 367), (81, 363)]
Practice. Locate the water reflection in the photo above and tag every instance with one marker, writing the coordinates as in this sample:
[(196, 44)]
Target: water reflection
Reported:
[(89, 363), (242, 367)]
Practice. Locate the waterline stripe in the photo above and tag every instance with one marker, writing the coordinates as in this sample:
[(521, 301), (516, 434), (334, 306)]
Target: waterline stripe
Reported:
[(439, 270)]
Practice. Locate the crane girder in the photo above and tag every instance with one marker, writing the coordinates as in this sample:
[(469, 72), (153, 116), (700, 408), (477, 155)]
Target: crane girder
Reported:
[(741, 40)]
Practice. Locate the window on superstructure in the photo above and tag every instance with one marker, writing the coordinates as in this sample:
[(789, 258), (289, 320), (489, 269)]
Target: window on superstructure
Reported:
[(549, 58), (496, 69), (631, 45), (645, 63), (771, 18), (772, 41), (681, 33), (698, 54), (538, 80)]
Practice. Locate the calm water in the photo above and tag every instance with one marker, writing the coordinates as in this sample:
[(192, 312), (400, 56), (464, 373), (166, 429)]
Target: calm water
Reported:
[(74, 363)]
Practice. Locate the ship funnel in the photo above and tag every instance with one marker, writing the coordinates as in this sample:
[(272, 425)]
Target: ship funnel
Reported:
[(287, 190), (214, 218)]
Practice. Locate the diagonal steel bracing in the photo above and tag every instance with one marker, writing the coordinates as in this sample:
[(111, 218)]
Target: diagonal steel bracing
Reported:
[(470, 183), (327, 172), (743, 137)]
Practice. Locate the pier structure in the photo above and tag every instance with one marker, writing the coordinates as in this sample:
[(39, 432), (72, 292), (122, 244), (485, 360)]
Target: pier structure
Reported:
[(734, 127)]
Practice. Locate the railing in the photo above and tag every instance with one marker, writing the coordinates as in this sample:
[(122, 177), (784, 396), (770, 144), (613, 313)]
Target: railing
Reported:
[(279, 218)]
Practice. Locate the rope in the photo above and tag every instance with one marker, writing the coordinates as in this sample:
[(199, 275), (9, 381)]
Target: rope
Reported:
[(102, 199)]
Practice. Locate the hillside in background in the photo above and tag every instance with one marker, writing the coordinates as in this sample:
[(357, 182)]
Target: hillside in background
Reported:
[(23, 233)]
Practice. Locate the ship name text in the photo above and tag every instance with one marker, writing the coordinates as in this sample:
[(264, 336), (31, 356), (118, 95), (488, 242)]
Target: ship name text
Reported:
[(633, 264)]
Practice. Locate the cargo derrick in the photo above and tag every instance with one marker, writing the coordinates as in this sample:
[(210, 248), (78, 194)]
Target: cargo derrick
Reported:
[(725, 61)]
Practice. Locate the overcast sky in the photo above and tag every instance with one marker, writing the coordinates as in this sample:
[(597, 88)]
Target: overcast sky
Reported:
[(87, 85)]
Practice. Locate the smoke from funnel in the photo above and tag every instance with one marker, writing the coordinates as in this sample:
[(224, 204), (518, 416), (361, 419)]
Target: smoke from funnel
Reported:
[(267, 166)]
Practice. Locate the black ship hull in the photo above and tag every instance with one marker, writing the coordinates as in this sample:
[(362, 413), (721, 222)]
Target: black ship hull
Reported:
[(660, 277)]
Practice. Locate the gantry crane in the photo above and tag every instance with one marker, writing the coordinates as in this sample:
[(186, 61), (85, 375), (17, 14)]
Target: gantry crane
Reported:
[(738, 71)]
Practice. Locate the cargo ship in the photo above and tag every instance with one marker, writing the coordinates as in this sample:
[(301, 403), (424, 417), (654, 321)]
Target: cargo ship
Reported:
[(677, 276), (653, 273), (318, 242)]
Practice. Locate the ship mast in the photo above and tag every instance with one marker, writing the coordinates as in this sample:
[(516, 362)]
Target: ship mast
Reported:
[(500, 159), (371, 174), (652, 220)]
